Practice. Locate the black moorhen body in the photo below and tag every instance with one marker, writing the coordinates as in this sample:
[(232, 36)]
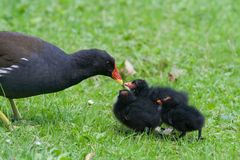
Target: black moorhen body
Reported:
[(137, 113), (30, 66)]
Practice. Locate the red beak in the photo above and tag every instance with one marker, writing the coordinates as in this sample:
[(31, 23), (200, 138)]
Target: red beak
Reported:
[(116, 76), (130, 85)]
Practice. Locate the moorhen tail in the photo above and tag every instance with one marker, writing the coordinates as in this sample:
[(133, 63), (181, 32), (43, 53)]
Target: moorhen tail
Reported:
[(30, 66)]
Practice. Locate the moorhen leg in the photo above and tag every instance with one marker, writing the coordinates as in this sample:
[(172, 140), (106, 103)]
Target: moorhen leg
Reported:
[(16, 114), (5, 120)]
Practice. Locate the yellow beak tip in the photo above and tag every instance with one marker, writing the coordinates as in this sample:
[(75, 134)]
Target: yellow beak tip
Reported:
[(119, 81)]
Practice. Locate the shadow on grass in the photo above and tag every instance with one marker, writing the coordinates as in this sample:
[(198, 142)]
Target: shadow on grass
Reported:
[(174, 136)]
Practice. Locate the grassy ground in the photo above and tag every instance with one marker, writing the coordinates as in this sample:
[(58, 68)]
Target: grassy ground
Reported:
[(202, 38)]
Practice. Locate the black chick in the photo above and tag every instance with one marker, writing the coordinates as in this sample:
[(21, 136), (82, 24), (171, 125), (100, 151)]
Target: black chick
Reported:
[(140, 88), (182, 117), (136, 113)]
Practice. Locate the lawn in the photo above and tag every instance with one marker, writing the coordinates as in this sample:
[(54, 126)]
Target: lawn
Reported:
[(200, 38)]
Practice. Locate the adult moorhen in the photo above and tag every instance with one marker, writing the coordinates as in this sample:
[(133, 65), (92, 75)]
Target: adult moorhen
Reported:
[(30, 66)]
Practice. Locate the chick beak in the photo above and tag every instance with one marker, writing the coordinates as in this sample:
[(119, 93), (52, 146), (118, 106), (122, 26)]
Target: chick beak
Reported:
[(130, 85), (159, 102)]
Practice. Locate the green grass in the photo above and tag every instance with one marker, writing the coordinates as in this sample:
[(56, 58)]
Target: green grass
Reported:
[(200, 37)]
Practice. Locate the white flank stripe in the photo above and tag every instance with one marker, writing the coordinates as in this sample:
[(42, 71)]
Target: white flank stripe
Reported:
[(14, 66), (8, 68), (25, 59), (3, 71)]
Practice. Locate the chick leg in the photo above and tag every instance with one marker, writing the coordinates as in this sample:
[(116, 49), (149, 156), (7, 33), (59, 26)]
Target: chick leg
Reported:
[(182, 134)]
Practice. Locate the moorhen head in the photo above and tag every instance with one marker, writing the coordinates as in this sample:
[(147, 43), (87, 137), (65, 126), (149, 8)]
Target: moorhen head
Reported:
[(30, 66), (97, 62)]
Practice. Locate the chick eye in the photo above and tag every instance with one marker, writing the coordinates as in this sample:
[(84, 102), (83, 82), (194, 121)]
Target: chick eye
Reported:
[(107, 62)]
